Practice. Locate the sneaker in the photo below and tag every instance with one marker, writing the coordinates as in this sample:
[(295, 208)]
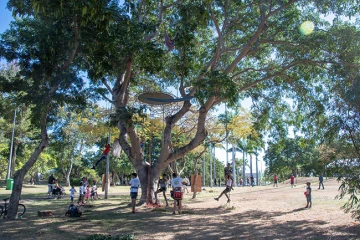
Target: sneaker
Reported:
[(173, 213), (217, 199), (228, 200)]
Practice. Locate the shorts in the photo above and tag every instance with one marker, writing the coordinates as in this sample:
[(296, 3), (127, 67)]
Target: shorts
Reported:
[(227, 189), (133, 195), (162, 189), (291, 183), (275, 181), (49, 188)]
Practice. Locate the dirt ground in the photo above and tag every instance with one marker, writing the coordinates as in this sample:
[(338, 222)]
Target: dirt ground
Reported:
[(264, 212)]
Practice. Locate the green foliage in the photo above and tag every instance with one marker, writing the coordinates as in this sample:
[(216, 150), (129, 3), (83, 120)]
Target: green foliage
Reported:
[(216, 84)]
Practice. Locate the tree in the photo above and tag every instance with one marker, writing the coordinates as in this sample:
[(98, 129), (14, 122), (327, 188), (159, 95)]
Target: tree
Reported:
[(223, 51), (44, 47)]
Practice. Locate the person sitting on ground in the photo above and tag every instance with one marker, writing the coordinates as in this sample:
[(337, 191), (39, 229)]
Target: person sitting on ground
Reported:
[(176, 184), (103, 156), (229, 187), (162, 186), (135, 184)]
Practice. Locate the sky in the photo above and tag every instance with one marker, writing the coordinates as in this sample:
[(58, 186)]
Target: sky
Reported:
[(6, 18)]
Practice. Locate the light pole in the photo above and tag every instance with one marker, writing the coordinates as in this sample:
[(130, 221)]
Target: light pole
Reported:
[(8, 175)]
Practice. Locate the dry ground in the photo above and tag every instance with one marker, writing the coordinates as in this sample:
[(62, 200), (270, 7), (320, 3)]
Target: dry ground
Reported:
[(254, 213)]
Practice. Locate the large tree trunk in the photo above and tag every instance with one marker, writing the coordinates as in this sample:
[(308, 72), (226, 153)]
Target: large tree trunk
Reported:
[(20, 174), (13, 157), (149, 178), (257, 170)]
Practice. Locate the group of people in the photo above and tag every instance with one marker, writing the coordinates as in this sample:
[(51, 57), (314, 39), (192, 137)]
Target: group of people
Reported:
[(86, 192)]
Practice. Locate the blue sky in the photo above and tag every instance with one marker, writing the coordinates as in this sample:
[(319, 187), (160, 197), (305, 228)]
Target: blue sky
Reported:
[(5, 16)]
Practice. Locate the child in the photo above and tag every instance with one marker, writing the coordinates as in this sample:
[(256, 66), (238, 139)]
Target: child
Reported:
[(308, 195), (87, 194), (229, 184), (134, 183), (103, 156), (276, 179), (162, 185), (81, 194), (292, 180), (72, 193), (94, 190), (177, 183)]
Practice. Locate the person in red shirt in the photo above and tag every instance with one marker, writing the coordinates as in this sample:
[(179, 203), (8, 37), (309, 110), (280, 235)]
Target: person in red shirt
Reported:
[(103, 156), (292, 180), (275, 180)]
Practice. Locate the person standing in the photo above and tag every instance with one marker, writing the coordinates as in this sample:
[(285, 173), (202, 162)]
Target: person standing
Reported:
[(308, 195), (229, 186), (276, 179), (176, 184), (50, 183), (321, 181), (72, 193), (134, 187), (292, 180)]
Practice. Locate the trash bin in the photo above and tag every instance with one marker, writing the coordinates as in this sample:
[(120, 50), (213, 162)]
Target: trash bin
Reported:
[(9, 183)]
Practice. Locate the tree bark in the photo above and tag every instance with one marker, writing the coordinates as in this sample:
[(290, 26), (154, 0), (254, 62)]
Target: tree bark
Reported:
[(20, 174)]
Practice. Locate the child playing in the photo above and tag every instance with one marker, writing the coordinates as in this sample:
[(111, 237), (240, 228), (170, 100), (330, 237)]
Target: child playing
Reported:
[(87, 194), (176, 184), (308, 195), (81, 194), (229, 184), (103, 156), (94, 191), (162, 188), (72, 193), (134, 183)]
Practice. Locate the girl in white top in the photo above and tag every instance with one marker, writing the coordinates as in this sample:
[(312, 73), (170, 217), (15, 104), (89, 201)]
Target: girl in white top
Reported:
[(229, 184)]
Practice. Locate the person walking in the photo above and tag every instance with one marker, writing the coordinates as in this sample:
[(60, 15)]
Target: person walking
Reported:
[(321, 181)]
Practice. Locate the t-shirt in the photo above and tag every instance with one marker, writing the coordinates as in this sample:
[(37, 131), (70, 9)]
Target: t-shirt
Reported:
[(134, 183), (81, 190), (229, 182), (72, 192), (321, 178), (308, 191), (292, 178), (162, 183), (107, 149), (177, 182)]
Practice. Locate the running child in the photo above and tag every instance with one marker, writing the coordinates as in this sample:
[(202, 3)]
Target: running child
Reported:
[(162, 185)]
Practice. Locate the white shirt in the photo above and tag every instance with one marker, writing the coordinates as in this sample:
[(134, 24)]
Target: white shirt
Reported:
[(229, 182), (72, 192), (177, 182), (134, 183), (81, 190)]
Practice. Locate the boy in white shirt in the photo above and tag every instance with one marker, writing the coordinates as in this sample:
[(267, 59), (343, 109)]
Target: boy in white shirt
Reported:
[(72, 193), (229, 186), (134, 183), (176, 184)]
